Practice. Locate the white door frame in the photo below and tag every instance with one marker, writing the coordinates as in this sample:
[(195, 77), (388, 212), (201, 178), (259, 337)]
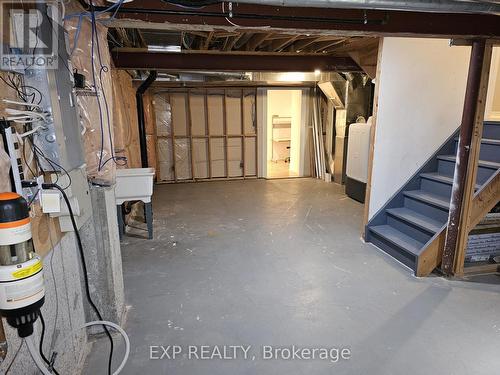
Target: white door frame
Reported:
[(304, 169)]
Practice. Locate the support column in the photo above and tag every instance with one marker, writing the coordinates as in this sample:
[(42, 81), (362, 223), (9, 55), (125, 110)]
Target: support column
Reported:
[(467, 157)]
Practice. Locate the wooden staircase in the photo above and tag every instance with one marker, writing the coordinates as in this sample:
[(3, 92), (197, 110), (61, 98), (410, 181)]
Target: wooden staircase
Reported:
[(411, 227)]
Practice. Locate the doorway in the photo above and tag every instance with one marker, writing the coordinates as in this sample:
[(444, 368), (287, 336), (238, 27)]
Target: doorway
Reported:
[(285, 133)]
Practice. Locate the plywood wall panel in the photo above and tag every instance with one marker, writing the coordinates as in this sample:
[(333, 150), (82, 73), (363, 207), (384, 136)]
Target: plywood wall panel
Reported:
[(233, 112), (165, 160), (178, 101), (249, 119), (250, 159), (234, 157), (215, 101), (183, 159), (217, 156), (126, 133), (197, 111), (200, 156), (163, 115)]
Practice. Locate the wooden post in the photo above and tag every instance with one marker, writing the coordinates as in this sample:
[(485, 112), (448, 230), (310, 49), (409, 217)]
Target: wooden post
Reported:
[(467, 156), (207, 132), (243, 139), (190, 131)]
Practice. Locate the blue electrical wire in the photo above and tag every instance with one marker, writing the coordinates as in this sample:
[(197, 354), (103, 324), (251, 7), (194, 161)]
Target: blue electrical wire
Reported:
[(115, 6)]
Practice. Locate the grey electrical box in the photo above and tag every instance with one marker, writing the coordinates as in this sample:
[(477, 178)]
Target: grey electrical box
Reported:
[(60, 140)]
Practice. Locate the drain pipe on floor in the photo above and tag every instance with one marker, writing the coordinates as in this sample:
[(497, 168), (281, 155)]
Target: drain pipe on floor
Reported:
[(140, 116)]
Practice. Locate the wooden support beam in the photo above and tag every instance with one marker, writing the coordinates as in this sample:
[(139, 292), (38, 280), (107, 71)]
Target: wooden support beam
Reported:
[(229, 46), (206, 44), (467, 158), (301, 44), (278, 45), (255, 41), (324, 45), (484, 200)]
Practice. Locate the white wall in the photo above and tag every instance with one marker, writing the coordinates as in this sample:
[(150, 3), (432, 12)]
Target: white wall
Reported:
[(284, 102), (492, 111), (279, 103), (421, 89), (297, 125)]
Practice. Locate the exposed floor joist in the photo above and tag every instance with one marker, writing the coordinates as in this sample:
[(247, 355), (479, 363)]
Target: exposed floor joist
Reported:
[(151, 14)]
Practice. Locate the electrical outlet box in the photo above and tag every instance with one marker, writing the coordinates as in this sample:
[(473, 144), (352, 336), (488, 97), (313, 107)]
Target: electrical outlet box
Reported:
[(76, 188), (50, 201)]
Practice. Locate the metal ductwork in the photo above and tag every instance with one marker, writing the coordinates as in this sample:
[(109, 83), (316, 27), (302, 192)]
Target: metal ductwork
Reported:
[(433, 6)]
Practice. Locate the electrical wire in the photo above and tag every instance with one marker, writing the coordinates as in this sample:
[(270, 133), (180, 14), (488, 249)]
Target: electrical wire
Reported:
[(84, 266), (40, 346), (227, 19), (15, 356), (95, 46)]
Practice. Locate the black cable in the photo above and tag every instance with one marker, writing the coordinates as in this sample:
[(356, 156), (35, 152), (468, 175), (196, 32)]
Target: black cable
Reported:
[(84, 266), (40, 347)]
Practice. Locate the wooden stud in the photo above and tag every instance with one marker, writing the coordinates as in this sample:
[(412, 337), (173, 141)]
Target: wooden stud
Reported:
[(190, 130), (256, 136), (172, 137), (226, 167), (207, 132), (242, 105)]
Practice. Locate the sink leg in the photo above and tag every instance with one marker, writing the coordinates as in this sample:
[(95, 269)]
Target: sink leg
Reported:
[(148, 210), (121, 222)]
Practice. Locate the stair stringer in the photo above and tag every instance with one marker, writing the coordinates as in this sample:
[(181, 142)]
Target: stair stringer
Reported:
[(484, 200)]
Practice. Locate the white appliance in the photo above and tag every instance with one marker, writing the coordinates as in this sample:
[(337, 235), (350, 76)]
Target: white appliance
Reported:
[(358, 148)]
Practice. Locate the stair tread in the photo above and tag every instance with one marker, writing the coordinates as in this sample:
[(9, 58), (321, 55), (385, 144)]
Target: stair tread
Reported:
[(428, 197), (422, 221), (435, 176), (398, 238), (482, 163)]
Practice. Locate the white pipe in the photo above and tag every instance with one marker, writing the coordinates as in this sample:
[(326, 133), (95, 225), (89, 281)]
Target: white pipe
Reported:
[(112, 325), (124, 335), (36, 356)]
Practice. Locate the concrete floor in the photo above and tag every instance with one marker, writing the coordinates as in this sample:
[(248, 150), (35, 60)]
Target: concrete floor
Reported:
[(279, 169), (281, 263)]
